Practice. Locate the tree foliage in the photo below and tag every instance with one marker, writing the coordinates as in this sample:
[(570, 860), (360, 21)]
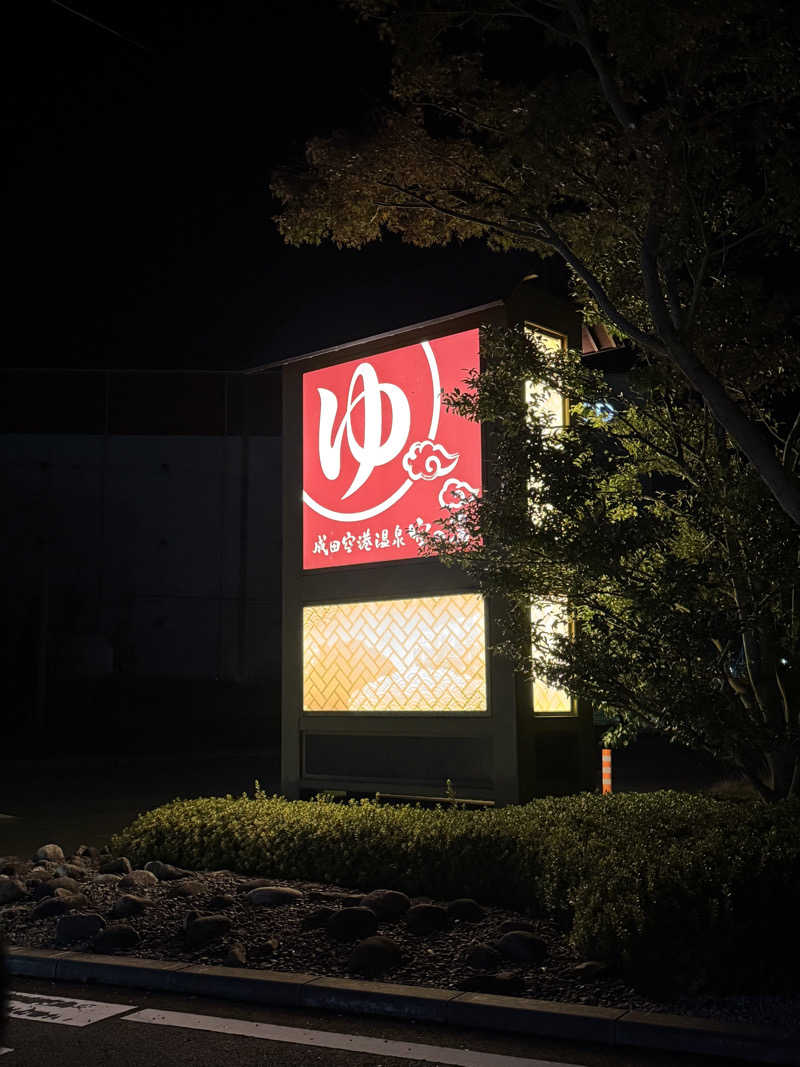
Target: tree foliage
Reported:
[(652, 146), (680, 571)]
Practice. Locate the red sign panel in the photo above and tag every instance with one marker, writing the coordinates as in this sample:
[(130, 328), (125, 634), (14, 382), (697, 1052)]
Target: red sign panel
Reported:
[(382, 456)]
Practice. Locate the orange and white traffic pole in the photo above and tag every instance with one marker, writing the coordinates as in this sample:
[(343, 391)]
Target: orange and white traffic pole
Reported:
[(606, 770)]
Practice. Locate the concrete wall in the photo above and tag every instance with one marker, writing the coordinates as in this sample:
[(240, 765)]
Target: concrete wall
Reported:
[(140, 557)]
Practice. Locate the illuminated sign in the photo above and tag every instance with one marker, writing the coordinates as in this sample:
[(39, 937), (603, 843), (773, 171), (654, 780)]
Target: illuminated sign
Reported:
[(416, 654), (382, 456)]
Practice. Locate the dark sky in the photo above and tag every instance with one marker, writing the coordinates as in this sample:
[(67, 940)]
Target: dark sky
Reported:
[(138, 223)]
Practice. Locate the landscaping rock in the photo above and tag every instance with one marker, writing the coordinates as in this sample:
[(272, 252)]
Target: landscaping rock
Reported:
[(237, 955), (128, 904), (466, 910), (589, 969), (13, 866), (79, 926), (71, 870), (375, 956), (483, 957), (349, 924), (221, 902), (119, 865), (39, 890), (88, 852), (316, 918), (17, 911), (115, 938), (504, 983), (138, 880), (522, 946), (165, 872), (205, 929), (253, 883), (386, 903), (190, 887), (107, 879), (11, 890), (70, 884), (426, 918), (50, 906), (509, 925), (40, 874), (274, 895), (53, 853)]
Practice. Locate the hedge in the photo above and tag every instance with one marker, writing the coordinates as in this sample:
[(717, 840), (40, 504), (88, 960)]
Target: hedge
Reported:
[(676, 890)]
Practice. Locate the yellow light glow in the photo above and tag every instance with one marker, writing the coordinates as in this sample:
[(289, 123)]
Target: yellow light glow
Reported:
[(550, 618), (419, 654)]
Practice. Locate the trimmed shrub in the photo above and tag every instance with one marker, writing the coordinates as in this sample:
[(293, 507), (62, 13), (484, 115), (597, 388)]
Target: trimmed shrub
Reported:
[(677, 890)]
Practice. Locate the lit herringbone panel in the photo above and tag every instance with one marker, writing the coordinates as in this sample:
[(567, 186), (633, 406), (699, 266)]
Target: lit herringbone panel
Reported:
[(423, 654), (550, 619)]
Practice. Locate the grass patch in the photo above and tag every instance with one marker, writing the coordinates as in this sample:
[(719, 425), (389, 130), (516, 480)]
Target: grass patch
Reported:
[(677, 890)]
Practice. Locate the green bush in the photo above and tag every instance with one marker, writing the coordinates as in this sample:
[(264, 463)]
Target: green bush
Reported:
[(677, 890)]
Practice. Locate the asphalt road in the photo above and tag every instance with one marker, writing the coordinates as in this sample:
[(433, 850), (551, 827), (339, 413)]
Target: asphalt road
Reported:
[(62, 1023)]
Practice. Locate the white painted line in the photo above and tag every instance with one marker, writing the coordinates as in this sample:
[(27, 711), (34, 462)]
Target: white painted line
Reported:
[(3, 1051), (328, 1039), (35, 1007)]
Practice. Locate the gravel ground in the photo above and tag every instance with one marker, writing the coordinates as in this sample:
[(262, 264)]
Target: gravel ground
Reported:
[(278, 938)]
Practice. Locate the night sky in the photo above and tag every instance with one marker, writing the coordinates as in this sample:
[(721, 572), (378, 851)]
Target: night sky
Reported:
[(138, 226)]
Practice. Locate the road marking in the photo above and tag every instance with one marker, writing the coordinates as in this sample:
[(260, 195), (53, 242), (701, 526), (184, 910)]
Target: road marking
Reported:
[(35, 1007), (328, 1039), (3, 1051)]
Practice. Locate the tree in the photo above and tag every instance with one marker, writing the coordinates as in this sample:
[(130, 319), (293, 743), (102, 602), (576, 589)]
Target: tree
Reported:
[(681, 572), (651, 146)]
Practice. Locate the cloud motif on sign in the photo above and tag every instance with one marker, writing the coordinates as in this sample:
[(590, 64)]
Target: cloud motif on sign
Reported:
[(428, 460), (454, 494)]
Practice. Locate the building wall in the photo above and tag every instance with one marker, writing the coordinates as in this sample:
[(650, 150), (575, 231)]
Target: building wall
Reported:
[(143, 579)]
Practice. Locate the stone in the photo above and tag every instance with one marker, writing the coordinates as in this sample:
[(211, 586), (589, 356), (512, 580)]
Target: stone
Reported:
[(11, 890), (466, 910), (374, 956), (189, 887), (107, 879), (349, 924), (128, 904), (317, 918), (386, 903), (138, 880), (39, 890), (504, 983), (220, 902), (115, 938), (17, 911), (274, 895), (205, 929), (483, 957), (49, 906), (79, 926), (509, 925), (14, 866), (39, 874), (253, 883), (425, 918), (236, 955), (72, 900), (54, 853), (88, 852), (70, 884), (522, 946), (165, 872), (71, 870), (589, 969), (118, 865)]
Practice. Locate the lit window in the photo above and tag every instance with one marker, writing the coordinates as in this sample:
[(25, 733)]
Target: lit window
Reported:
[(421, 654), (550, 618)]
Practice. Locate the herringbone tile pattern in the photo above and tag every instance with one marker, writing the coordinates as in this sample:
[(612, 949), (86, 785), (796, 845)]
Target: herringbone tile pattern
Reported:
[(422, 654)]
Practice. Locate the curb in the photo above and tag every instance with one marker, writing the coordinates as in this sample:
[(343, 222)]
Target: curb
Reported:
[(578, 1022)]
